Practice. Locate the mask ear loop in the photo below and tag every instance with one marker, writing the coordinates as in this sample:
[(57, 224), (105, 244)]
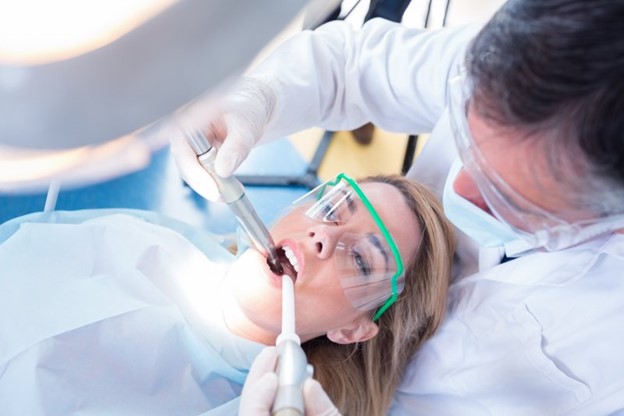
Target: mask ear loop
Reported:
[(389, 239)]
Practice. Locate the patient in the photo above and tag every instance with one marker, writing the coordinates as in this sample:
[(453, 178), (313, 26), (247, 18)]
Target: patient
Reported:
[(115, 314)]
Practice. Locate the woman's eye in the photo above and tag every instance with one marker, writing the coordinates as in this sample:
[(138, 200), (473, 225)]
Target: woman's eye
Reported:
[(329, 213), (362, 265)]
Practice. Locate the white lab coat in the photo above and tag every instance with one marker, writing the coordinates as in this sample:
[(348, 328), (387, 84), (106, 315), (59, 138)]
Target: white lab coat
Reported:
[(540, 335), (114, 315)]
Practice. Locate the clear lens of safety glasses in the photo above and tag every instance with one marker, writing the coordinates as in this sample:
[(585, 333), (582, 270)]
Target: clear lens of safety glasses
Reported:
[(538, 226), (370, 266)]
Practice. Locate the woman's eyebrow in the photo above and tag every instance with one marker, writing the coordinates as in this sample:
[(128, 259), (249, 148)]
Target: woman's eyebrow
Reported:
[(374, 239), (348, 196)]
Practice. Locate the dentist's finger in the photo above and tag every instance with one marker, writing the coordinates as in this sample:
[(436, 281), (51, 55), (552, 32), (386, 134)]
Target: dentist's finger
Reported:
[(317, 402), (191, 170)]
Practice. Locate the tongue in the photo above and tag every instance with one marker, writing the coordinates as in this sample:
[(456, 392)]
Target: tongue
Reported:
[(290, 272)]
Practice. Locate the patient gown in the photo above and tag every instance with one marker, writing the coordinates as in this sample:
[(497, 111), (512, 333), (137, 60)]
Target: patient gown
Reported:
[(115, 315)]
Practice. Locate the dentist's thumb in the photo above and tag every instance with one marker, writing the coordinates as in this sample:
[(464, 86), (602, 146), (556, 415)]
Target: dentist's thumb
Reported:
[(247, 112), (317, 402), (241, 137)]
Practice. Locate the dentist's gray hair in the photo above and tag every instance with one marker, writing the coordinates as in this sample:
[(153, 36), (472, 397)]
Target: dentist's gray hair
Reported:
[(554, 70)]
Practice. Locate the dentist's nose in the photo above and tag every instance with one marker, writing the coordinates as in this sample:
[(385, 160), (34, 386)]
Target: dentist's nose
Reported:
[(466, 187), (325, 239)]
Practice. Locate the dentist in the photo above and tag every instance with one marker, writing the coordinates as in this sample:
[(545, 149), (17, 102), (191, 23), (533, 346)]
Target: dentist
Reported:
[(527, 151)]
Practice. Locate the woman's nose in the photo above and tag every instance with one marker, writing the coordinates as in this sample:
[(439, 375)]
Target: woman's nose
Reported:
[(324, 238)]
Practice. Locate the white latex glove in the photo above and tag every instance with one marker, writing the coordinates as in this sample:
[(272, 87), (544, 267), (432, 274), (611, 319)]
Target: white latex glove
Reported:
[(243, 115), (261, 386), (317, 402)]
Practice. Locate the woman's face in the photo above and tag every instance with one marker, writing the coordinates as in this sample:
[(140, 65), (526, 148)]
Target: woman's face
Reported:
[(320, 301)]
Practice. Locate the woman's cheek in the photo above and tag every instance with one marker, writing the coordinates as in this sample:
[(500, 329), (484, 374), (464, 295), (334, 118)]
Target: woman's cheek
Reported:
[(247, 276)]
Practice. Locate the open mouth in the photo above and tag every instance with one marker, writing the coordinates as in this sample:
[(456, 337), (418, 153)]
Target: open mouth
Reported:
[(289, 262)]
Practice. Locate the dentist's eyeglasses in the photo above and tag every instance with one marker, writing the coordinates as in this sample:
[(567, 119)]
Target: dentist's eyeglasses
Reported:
[(370, 265), (539, 227)]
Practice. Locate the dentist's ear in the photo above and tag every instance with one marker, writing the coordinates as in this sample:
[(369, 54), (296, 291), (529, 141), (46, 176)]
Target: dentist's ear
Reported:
[(362, 329)]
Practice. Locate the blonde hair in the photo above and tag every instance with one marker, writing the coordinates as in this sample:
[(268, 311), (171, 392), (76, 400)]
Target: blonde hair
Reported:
[(362, 378)]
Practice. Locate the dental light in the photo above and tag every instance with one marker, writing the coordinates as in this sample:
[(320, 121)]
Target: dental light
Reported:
[(86, 88)]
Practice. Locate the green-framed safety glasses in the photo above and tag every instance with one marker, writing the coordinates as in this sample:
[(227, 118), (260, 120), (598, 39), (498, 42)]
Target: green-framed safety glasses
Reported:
[(370, 265)]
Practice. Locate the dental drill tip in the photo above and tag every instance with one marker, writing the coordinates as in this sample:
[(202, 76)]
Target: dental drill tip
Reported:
[(275, 265)]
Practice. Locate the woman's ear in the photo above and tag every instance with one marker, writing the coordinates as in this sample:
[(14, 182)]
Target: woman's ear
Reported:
[(362, 329)]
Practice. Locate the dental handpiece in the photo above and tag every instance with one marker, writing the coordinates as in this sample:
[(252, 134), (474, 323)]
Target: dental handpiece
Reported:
[(233, 194), (292, 365)]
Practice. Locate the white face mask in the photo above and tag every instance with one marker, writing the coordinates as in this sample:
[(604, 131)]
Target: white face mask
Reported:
[(483, 228)]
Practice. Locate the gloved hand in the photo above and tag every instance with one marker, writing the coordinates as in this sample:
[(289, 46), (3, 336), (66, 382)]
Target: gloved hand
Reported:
[(261, 386), (317, 402), (244, 114)]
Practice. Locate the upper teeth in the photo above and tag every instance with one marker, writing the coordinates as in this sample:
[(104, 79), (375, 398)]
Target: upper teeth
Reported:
[(291, 258)]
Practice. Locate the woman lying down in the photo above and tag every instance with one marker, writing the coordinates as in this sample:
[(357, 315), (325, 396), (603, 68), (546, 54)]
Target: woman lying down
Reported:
[(118, 315)]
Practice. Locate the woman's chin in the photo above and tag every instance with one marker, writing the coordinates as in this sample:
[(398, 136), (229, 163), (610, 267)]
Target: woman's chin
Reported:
[(256, 290)]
